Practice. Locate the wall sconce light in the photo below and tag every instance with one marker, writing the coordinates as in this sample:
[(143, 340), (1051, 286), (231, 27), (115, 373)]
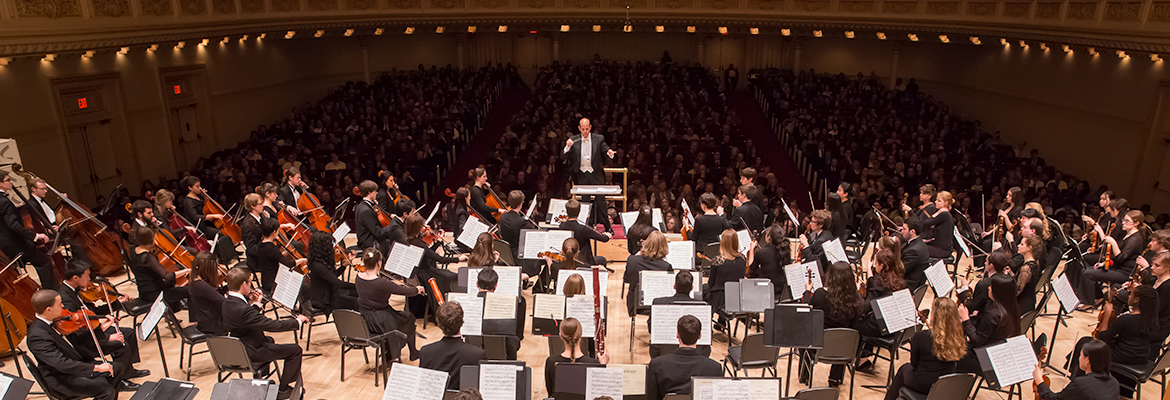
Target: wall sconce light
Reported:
[(472, 29), (723, 30), (503, 28), (691, 29), (409, 30), (913, 37), (786, 32), (349, 32), (597, 28), (125, 50), (849, 34), (944, 39), (438, 29), (290, 34), (564, 28), (659, 28), (881, 35)]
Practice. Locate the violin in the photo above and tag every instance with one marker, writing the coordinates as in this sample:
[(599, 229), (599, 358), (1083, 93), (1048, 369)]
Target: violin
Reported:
[(1107, 314), (558, 257), (384, 219), (70, 322), (98, 290), (227, 224), (1045, 378), (430, 236)]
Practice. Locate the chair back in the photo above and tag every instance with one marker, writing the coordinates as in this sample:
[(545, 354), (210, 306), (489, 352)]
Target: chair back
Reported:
[(37, 376), (754, 352), (175, 325), (1027, 320), (711, 251), (1161, 365), (229, 354), (351, 326), (953, 386), (919, 294), (450, 394), (822, 393), (505, 250), (673, 396), (840, 346)]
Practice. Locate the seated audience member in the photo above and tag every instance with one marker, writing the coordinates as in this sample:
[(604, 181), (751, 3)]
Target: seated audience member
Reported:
[(672, 373), (242, 319), (450, 353), (1096, 382), (205, 298), (571, 337), (486, 282)]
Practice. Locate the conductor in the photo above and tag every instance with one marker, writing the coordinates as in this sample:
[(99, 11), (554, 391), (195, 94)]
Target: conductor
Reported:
[(584, 155)]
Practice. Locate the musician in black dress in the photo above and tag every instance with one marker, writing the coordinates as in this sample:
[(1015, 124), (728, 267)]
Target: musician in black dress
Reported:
[(1008, 217), (1096, 382), (570, 336), (370, 232), (942, 225), (638, 230), (458, 212), (1123, 255), (729, 266), (374, 289), (771, 257), (1129, 335), (388, 195), (479, 192), (428, 266), (1028, 273), (934, 352), (841, 302), (193, 211), (885, 278), (206, 295), (269, 255), (708, 225), (326, 290), (150, 275), (652, 257), (16, 239), (996, 321)]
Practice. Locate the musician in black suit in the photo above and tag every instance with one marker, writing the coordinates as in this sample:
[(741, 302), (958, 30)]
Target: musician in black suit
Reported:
[(747, 177), (672, 373), (708, 225), (16, 239), (1097, 383), (486, 281), (118, 342), (450, 353), (748, 210), (291, 190), (37, 190), (684, 284), (584, 153), (63, 367), (814, 240), (370, 232), (584, 233), (243, 319), (512, 222), (192, 210), (915, 255)]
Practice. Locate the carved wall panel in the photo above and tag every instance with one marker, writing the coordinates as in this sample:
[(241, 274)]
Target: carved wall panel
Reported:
[(223, 6), (193, 7), (981, 8), (156, 7), (672, 3), (369, 4), (489, 3), (942, 8), (252, 6), (1122, 11), (286, 5), (1160, 12), (1016, 9), (48, 8), (322, 5), (724, 4), (1079, 11), (1047, 10), (855, 6), (448, 3), (581, 3), (111, 8), (900, 7), (621, 3)]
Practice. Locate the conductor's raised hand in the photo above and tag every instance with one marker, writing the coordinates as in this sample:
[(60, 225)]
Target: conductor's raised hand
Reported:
[(569, 142), (610, 153)]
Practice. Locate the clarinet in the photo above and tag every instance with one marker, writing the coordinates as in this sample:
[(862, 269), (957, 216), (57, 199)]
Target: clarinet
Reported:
[(599, 334)]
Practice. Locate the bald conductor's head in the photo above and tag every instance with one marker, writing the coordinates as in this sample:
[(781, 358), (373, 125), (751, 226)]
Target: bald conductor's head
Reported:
[(584, 126)]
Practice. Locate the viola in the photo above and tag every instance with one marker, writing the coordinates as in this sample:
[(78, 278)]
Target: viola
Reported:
[(70, 322), (98, 290), (1047, 381), (226, 225), (558, 257), (1107, 314), (310, 206)]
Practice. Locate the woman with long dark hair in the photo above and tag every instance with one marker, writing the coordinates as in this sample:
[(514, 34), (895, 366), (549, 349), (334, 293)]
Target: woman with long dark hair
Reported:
[(483, 254), (771, 257), (457, 211), (729, 266), (428, 266), (998, 320), (326, 290), (1095, 360), (1129, 335), (841, 302)]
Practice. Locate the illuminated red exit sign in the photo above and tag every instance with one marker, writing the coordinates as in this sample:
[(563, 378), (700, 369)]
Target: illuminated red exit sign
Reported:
[(82, 102), (178, 89)]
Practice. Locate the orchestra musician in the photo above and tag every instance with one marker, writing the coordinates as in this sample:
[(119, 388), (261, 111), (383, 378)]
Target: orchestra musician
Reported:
[(259, 211), (708, 225), (570, 336), (479, 190), (1096, 382), (584, 155), (152, 279), (942, 225), (995, 322), (483, 254), (637, 231), (729, 266), (844, 191), (816, 237), (672, 373), (1159, 244), (915, 254), (885, 278), (37, 190), (450, 353), (841, 302), (652, 257), (486, 282), (512, 222), (370, 232), (748, 210), (389, 194), (1027, 275), (241, 317), (457, 212), (1124, 253), (374, 289), (584, 234), (1007, 217), (771, 257), (192, 210), (269, 256), (205, 296), (16, 239), (428, 266), (291, 190), (61, 365), (747, 177), (269, 197), (934, 351), (118, 342), (571, 259), (838, 227), (1129, 335), (328, 292)]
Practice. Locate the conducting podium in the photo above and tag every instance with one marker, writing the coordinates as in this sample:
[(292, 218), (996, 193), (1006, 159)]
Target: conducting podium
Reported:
[(611, 192)]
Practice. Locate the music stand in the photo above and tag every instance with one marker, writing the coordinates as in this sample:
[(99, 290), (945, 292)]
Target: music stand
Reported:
[(794, 326), (469, 377), (18, 389)]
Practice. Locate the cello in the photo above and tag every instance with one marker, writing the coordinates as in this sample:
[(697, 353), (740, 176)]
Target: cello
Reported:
[(170, 252), (86, 230), (310, 206), (227, 224), (16, 290)]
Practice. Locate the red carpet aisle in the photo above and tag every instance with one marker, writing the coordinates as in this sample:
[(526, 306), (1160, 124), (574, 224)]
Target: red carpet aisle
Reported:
[(506, 105), (756, 127)]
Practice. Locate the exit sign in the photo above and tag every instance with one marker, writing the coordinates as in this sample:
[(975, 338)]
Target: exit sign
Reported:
[(178, 89), (82, 102)]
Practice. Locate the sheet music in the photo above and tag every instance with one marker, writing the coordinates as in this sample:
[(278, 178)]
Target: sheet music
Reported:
[(407, 382), (690, 218), (288, 286), (472, 312), (681, 254), (834, 252), (664, 320), (704, 392), (628, 219), (548, 306), (939, 279), (508, 283), (898, 311), (798, 275), (499, 306), (603, 382), (745, 241), (729, 389), (1012, 361), (791, 216), (656, 218), (5, 382), (563, 275), (432, 216), (556, 209), (471, 230), (581, 308), (403, 258), (531, 207), (962, 243), (340, 232), (633, 378), (498, 381), (156, 313), (1065, 293), (537, 241), (655, 284)]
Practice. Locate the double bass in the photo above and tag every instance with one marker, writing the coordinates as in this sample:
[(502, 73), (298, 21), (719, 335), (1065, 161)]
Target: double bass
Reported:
[(86, 230), (37, 222)]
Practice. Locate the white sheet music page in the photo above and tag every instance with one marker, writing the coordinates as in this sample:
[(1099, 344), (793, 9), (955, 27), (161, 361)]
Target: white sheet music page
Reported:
[(834, 252), (508, 283), (898, 311), (288, 286), (548, 306), (745, 241), (538, 241), (499, 306), (628, 219), (582, 308), (962, 243), (728, 389), (664, 320), (681, 254), (939, 279), (603, 382), (633, 378), (403, 258), (152, 318), (798, 275), (563, 275), (432, 216), (1065, 293), (340, 232), (1012, 361), (472, 312), (556, 208), (471, 230), (531, 207), (763, 389), (498, 381), (407, 382), (5, 382), (655, 284), (791, 216), (656, 218), (690, 218)]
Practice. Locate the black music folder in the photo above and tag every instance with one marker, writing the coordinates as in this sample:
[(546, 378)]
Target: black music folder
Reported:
[(795, 326)]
